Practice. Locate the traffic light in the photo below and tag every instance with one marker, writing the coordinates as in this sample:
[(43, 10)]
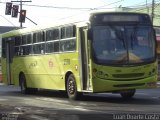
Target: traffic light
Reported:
[(22, 16), (8, 8), (15, 10)]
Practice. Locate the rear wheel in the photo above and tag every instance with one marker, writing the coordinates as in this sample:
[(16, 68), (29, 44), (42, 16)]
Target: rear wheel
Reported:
[(71, 88), (128, 94), (23, 86)]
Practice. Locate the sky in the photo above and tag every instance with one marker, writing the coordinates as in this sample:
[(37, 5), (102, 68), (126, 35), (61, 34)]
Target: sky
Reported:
[(48, 11)]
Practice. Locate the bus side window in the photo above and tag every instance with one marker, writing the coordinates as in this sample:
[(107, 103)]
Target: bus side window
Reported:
[(39, 43), (24, 39), (38, 37), (68, 31), (68, 40), (53, 37), (18, 42), (27, 50), (52, 34), (17, 51), (49, 47), (29, 38), (56, 46), (52, 47), (38, 48)]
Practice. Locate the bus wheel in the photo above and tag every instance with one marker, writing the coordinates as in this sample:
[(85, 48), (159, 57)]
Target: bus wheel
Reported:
[(127, 94), (23, 84), (72, 87), (24, 88)]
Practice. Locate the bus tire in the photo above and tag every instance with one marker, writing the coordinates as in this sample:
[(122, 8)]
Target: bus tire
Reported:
[(71, 88), (23, 86), (127, 94)]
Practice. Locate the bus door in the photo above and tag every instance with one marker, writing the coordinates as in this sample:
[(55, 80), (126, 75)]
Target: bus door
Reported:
[(9, 59), (84, 58)]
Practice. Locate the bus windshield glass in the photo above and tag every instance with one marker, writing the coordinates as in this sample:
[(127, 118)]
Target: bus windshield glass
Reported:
[(123, 44)]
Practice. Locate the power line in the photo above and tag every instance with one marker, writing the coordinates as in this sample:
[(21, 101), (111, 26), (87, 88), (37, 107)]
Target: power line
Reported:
[(109, 4), (138, 4), (142, 4), (55, 7), (58, 7), (91, 9), (144, 7), (7, 20), (72, 8)]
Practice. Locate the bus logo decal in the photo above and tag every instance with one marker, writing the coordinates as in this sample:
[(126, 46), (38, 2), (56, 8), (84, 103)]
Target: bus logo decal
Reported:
[(33, 64)]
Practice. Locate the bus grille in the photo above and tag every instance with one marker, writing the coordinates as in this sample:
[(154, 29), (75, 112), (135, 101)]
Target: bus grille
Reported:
[(128, 75)]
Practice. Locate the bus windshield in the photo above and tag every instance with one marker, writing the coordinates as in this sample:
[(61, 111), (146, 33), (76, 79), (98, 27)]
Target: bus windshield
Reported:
[(127, 44)]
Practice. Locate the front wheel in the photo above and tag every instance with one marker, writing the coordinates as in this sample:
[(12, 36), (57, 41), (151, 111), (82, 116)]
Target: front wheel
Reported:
[(128, 94), (71, 87)]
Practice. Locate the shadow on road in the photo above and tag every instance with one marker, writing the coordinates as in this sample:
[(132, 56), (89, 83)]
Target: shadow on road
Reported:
[(108, 97), (142, 99)]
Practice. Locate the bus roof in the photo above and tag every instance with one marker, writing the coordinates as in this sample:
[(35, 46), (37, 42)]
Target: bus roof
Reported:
[(79, 22), (42, 27)]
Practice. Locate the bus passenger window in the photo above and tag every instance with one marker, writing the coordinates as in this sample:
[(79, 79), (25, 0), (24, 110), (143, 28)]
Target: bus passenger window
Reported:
[(63, 33), (38, 37), (52, 47), (17, 51), (68, 31), (29, 38), (49, 47), (24, 39), (49, 35), (38, 48), (56, 46), (52, 34), (68, 45), (17, 41), (26, 50)]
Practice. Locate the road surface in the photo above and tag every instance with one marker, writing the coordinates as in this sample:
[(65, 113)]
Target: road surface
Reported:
[(54, 105)]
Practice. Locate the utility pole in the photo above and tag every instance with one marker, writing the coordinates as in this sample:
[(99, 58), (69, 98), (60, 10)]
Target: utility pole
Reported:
[(21, 8), (152, 14), (147, 7)]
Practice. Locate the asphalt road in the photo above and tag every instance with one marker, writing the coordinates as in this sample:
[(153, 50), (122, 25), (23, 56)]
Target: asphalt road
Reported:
[(54, 105)]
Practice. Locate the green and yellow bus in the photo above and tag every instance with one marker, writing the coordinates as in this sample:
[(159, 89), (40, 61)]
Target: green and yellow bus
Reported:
[(109, 52)]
